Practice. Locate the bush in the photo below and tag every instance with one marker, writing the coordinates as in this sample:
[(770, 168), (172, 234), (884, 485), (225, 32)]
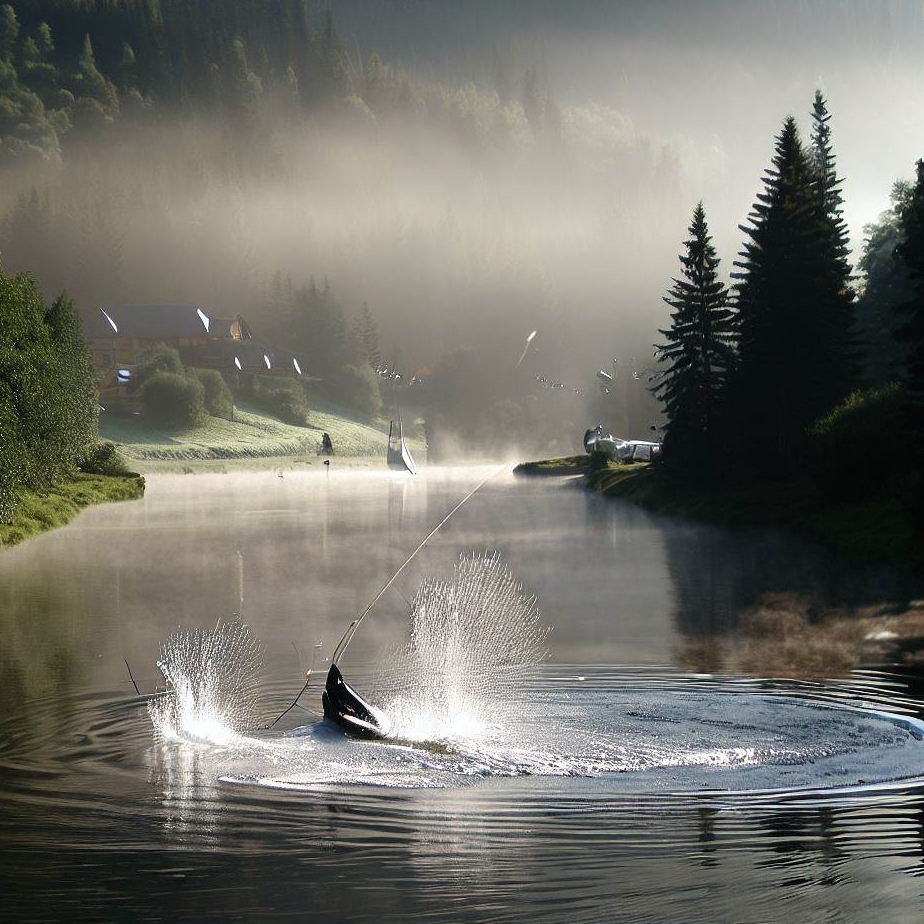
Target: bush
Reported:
[(102, 458), (285, 398), (868, 430), (158, 358), (358, 389), (172, 400), (48, 401), (14, 458), (218, 398)]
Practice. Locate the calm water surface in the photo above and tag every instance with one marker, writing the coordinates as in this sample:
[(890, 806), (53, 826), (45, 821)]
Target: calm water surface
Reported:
[(631, 790)]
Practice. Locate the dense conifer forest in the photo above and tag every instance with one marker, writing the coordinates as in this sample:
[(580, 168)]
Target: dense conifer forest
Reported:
[(280, 159), (789, 377)]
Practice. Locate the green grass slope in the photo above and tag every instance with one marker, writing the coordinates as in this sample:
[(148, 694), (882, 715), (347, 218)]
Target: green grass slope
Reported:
[(253, 434), (38, 511)]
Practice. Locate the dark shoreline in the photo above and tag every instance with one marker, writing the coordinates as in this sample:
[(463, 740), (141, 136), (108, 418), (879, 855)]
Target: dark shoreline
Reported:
[(876, 528)]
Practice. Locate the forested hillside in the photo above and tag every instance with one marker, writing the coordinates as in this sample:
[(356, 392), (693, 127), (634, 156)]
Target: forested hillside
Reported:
[(468, 172), (71, 69), (197, 151)]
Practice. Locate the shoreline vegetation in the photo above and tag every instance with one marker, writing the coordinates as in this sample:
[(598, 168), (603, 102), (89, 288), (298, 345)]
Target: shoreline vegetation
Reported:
[(42, 509), (876, 528)]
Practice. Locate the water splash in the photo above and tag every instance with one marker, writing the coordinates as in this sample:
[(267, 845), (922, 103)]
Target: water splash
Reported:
[(472, 641), (211, 677)]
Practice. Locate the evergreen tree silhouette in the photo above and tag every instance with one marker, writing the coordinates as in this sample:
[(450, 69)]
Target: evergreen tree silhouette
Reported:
[(832, 278), (911, 253), (887, 287), (791, 358), (699, 349)]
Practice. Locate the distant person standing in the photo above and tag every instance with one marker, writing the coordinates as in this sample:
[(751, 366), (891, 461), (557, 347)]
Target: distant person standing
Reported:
[(327, 447)]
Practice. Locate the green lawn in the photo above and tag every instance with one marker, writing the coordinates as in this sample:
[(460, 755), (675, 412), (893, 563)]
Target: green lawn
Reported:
[(253, 434), (38, 511)]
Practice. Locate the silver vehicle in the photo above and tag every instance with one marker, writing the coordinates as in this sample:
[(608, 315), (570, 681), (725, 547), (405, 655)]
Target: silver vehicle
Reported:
[(616, 450)]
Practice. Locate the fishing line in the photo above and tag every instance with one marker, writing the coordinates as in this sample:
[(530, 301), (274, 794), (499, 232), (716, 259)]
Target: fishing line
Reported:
[(301, 692), (355, 624), (131, 676)]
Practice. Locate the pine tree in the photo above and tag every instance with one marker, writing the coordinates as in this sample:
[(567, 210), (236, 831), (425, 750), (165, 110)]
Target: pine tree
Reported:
[(9, 32), (318, 330), (911, 253), (699, 349), (44, 40), (832, 278), (91, 85), (786, 351), (369, 337), (886, 287)]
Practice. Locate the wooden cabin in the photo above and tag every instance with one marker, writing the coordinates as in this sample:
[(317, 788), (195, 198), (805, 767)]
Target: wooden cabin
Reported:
[(118, 335)]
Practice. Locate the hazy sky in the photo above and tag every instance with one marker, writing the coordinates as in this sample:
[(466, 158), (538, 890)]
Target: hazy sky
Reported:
[(714, 78), (457, 242)]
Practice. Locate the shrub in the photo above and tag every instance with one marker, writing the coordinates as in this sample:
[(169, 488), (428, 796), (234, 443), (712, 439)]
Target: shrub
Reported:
[(48, 401), (102, 458), (14, 458), (158, 358), (77, 396), (358, 389), (218, 398), (285, 398), (868, 429), (172, 400)]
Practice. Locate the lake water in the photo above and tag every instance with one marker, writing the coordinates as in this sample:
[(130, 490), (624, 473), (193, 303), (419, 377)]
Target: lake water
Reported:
[(617, 781)]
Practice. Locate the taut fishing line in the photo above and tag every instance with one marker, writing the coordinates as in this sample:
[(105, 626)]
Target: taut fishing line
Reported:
[(355, 624)]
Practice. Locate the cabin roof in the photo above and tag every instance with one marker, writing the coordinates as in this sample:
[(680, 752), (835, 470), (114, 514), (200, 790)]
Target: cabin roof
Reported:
[(147, 322), (229, 343)]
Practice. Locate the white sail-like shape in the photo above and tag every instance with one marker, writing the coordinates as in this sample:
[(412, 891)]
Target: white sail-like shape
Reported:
[(399, 456)]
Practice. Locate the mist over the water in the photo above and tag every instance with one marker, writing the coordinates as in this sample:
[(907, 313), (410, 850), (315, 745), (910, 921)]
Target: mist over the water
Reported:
[(493, 169)]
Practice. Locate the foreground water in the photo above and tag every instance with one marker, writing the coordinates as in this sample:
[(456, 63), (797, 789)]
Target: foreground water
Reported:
[(606, 785)]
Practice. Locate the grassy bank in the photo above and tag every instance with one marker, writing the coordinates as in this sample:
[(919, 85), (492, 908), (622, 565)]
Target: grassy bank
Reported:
[(567, 465), (253, 434), (38, 511)]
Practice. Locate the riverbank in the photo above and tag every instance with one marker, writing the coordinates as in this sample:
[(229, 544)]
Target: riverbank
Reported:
[(567, 465), (877, 528), (253, 434), (38, 511)]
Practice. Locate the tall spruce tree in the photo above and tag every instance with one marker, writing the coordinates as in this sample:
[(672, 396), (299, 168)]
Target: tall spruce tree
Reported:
[(886, 288), (911, 253), (699, 349), (832, 279), (789, 361)]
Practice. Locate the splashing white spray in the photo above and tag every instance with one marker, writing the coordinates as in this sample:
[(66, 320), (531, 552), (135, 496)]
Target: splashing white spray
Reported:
[(472, 641), (211, 684)]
